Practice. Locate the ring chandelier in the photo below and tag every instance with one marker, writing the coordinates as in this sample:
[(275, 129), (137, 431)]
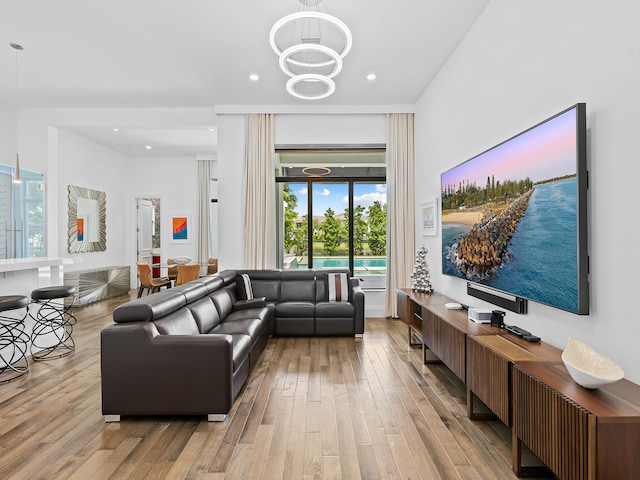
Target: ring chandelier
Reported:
[(310, 45)]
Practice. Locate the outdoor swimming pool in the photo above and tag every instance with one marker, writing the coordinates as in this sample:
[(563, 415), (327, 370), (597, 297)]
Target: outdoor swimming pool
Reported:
[(371, 265), (343, 262)]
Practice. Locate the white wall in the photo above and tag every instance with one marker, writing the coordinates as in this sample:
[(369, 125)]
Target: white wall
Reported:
[(521, 63), (67, 158), (330, 129), (123, 179), (230, 191), (174, 180), (84, 163)]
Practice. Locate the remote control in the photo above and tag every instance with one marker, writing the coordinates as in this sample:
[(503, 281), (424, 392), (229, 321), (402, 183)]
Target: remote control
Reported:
[(520, 332), (531, 338)]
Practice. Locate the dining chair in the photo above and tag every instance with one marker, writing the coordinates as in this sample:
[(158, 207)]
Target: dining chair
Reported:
[(186, 273), (147, 282), (212, 266), (172, 271)]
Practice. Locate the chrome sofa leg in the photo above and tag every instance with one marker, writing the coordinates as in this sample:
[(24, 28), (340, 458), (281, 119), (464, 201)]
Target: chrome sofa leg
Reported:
[(359, 335), (216, 417), (111, 418)]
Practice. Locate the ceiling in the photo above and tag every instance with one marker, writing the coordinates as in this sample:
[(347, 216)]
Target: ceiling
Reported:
[(200, 53)]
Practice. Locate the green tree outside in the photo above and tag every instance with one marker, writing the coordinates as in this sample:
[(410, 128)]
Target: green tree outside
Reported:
[(378, 229), (290, 215), (331, 232), (359, 229), (301, 237)]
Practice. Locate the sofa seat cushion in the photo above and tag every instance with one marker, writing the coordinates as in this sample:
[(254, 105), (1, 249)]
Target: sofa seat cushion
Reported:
[(332, 326), (295, 310), (335, 309), (247, 326), (241, 349), (261, 314), (295, 318)]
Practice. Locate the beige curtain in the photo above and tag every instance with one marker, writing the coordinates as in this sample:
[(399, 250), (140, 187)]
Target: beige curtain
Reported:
[(400, 206), (204, 203), (260, 192)]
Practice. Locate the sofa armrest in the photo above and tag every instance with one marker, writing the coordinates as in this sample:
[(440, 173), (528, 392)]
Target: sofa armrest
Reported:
[(257, 302), (357, 297), (146, 373)]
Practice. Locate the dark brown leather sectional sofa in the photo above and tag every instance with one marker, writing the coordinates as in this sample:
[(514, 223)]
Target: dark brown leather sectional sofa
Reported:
[(189, 350)]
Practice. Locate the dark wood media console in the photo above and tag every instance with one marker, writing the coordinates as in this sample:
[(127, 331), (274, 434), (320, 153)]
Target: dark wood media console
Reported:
[(578, 433)]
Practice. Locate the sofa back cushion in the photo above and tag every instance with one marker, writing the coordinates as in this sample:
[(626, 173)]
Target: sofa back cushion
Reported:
[(205, 314), (322, 283), (180, 322), (264, 283), (224, 299), (192, 290), (150, 307), (298, 286), (211, 282)]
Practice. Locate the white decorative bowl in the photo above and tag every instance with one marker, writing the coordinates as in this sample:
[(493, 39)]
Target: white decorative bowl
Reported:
[(181, 260), (589, 368)]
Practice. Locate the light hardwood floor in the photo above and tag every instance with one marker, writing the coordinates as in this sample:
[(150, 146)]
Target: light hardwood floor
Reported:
[(314, 408)]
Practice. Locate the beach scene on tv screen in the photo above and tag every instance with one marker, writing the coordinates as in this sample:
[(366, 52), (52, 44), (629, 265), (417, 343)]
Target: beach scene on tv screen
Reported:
[(509, 216)]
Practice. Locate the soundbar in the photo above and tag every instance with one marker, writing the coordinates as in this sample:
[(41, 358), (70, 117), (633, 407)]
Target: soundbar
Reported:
[(496, 297)]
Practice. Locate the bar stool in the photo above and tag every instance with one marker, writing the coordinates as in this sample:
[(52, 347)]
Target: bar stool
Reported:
[(13, 338), (54, 321)]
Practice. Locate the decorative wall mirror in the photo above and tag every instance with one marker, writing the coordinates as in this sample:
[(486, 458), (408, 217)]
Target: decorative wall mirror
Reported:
[(87, 220)]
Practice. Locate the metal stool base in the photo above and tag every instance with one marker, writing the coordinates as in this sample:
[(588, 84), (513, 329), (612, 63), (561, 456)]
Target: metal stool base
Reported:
[(54, 321), (13, 339)]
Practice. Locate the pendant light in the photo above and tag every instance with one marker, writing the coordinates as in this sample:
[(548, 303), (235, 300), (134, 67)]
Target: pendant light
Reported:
[(310, 45), (16, 175)]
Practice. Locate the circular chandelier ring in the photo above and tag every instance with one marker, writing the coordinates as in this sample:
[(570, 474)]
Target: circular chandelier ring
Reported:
[(310, 47), (310, 77), (318, 15)]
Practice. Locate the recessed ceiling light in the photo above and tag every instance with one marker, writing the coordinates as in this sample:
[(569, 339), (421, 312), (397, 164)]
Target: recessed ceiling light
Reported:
[(371, 76), (148, 147), (116, 129), (212, 129), (254, 77)]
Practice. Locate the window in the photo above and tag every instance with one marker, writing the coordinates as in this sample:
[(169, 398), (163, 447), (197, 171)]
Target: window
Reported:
[(21, 214), (347, 200)]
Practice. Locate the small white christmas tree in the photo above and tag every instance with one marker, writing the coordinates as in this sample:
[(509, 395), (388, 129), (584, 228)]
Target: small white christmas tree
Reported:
[(421, 277)]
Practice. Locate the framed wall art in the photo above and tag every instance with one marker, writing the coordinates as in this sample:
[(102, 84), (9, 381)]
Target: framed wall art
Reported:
[(181, 228), (429, 215)]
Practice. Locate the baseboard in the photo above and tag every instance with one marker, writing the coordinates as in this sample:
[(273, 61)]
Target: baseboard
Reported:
[(374, 311)]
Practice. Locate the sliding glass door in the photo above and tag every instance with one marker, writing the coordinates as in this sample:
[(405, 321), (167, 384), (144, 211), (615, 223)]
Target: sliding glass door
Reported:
[(333, 210), (346, 228)]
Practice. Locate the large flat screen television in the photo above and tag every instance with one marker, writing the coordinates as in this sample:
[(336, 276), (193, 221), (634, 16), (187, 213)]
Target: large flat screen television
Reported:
[(514, 218)]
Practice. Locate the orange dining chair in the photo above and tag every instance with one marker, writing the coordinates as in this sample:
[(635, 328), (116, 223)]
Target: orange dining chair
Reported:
[(186, 273), (147, 282), (172, 271), (212, 266)]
